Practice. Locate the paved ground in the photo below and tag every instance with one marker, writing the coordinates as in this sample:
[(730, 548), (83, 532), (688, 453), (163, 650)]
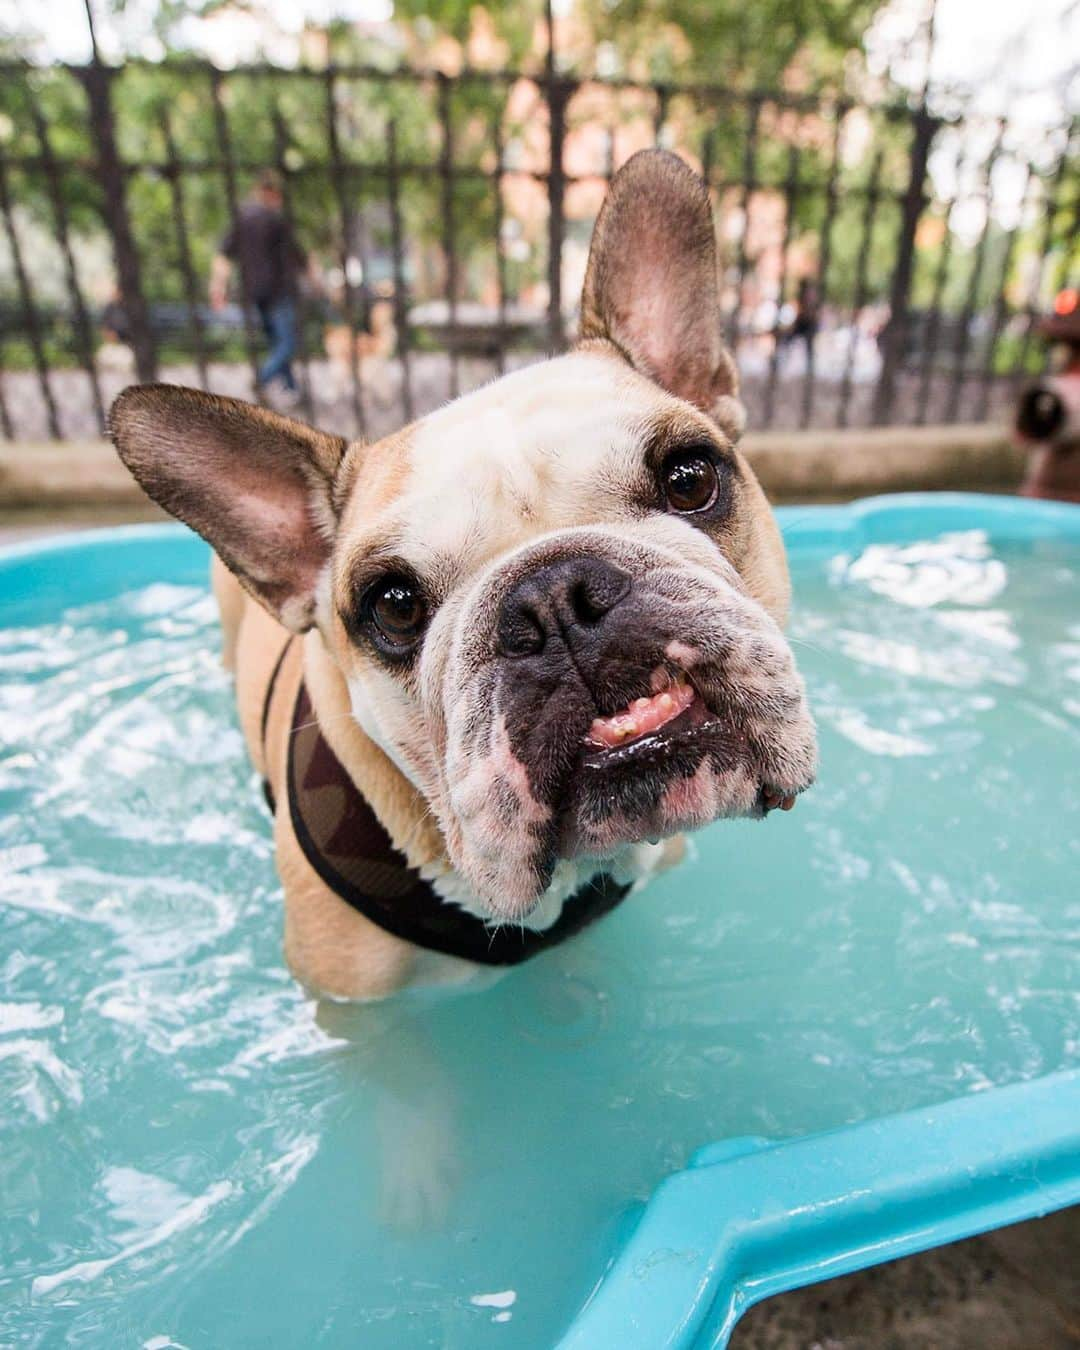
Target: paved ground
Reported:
[(1017, 1289), (430, 378)]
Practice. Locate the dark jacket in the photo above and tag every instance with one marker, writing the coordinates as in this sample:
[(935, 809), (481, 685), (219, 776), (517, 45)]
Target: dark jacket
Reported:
[(261, 242)]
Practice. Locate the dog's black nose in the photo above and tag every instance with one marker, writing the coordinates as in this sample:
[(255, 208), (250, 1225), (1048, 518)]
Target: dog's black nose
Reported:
[(564, 598)]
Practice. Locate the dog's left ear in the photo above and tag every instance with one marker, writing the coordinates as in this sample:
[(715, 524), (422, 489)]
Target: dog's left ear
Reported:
[(258, 487), (650, 286)]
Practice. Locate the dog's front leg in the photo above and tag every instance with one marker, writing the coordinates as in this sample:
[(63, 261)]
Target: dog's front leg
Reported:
[(415, 1110)]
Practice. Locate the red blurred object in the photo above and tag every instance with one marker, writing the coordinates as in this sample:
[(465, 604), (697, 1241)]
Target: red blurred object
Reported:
[(1065, 301), (1063, 325), (1047, 421)]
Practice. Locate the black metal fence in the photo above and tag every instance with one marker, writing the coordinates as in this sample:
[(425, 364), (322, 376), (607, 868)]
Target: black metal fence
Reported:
[(879, 263)]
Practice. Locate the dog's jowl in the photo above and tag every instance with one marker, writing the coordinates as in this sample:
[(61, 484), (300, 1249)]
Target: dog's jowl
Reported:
[(492, 665)]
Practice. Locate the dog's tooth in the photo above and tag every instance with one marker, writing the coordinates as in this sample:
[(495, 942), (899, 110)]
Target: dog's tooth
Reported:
[(665, 703), (641, 703)]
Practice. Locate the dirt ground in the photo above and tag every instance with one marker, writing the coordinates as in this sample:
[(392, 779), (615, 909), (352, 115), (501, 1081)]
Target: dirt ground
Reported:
[(1016, 1289)]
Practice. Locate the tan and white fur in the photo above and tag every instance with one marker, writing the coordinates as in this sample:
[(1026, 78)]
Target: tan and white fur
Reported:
[(533, 527)]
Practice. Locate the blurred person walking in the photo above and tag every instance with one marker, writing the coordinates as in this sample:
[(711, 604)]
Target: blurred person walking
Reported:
[(807, 319), (261, 243)]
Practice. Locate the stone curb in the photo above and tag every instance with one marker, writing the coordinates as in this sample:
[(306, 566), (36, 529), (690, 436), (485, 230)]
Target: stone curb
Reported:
[(792, 466)]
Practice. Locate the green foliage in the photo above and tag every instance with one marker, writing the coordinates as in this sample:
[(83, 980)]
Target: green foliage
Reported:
[(273, 120), (730, 42)]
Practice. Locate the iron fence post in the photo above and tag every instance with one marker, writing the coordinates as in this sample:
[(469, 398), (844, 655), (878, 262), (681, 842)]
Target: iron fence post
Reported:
[(558, 95), (397, 248), (1051, 202), (924, 128), (449, 228), (281, 163), (971, 303), (748, 188), (80, 314), (832, 196), (31, 321), (500, 246), (340, 183), (228, 168), (173, 173), (660, 117), (870, 208), (97, 81)]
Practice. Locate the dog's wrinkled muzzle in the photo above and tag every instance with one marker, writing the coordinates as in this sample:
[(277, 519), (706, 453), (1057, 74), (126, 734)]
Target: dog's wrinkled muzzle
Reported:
[(627, 697)]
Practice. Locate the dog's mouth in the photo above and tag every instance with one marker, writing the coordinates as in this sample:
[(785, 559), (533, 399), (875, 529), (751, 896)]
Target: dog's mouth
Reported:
[(588, 769), (644, 716), (648, 727), (663, 762)]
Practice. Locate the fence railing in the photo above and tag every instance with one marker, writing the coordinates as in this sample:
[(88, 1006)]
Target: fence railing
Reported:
[(879, 263)]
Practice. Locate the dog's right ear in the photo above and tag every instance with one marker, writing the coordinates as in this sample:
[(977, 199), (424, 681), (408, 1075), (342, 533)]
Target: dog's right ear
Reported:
[(256, 486), (651, 286)]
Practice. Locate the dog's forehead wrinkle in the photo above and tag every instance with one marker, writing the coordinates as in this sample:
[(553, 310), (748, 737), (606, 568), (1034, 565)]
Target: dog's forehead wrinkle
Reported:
[(523, 448), (394, 546)]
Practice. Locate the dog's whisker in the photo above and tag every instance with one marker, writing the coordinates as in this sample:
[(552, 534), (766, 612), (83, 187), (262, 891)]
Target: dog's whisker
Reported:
[(812, 646)]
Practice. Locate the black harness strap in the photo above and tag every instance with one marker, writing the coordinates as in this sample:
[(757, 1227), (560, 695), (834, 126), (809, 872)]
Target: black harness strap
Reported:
[(268, 791), (345, 843)]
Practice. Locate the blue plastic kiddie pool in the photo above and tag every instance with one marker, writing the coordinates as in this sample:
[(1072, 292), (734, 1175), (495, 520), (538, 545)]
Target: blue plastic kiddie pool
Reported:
[(873, 1004)]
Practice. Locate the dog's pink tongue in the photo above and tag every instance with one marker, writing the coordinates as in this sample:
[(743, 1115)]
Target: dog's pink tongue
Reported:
[(641, 717)]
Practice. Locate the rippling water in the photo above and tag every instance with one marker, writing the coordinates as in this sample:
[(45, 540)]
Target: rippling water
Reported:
[(193, 1153)]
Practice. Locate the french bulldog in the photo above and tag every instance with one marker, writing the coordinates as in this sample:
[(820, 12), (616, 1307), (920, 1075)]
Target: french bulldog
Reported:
[(492, 666)]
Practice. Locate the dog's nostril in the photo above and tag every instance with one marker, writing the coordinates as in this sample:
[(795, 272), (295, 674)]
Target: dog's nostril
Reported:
[(585, 608), (597, 592), (520, 632)]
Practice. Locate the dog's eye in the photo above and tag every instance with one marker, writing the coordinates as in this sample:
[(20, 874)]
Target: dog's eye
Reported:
[(397, 612), (690, 481)]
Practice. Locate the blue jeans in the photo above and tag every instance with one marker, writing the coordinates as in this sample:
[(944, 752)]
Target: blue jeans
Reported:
[(279, 324)]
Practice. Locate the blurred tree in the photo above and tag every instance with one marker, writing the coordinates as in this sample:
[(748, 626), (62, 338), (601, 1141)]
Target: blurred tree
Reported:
[(730, 42)]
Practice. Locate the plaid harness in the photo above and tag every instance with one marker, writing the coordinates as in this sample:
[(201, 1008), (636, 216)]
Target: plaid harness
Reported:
[(349, 849)]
